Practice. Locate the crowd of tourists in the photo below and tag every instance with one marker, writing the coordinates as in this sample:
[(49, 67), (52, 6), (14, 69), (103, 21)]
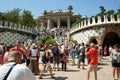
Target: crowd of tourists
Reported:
[(13, 57)]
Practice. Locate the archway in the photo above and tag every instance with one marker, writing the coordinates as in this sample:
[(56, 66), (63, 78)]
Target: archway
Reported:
[(93, 40), (111, 38)]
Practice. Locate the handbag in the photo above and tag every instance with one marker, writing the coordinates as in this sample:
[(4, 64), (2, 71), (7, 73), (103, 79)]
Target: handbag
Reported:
[(6, 76), (64, 58)]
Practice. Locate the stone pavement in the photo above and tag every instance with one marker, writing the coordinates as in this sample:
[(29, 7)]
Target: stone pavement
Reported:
[(73, 73)]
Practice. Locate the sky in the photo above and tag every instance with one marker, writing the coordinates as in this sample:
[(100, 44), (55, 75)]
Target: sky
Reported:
[(83, 7)]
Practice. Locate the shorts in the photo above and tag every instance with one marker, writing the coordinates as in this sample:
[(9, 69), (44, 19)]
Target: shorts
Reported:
[(115, 65), (92, 68), (56, 59), (81, 59), (73, 56)]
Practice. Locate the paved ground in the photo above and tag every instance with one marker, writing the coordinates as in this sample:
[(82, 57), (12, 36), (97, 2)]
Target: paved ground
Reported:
[(73, 73)]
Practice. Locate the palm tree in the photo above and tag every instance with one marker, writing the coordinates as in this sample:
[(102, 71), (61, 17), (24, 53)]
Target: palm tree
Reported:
[(102, 9), (44, 14), (70, 8)]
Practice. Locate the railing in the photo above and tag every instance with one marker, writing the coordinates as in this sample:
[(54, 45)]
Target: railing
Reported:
[(93, 22), (17, 27)]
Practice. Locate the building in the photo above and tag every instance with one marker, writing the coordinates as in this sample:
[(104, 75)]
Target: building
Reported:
[(57, 19)]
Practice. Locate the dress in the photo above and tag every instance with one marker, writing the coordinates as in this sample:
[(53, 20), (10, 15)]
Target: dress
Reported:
[(19, 72)]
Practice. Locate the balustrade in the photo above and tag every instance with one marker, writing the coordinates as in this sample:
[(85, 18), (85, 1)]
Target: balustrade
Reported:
[(10, 25), (100, 20)]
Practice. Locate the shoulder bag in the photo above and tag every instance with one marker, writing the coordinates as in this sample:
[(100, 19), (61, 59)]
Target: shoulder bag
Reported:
[(6, 76)]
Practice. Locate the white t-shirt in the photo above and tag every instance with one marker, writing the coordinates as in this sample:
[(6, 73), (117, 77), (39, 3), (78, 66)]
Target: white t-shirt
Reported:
[(19, 72), (34, 54)]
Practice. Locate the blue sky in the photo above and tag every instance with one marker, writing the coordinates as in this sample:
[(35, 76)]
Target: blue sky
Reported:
[(83, 7)]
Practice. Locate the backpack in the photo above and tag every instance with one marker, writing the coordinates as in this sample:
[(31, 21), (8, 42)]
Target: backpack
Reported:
[(55, 51), (44, 58), (82, 51), (116, 58)]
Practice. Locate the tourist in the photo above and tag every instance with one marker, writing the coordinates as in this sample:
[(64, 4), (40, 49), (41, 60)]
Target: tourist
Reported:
[(73, 54), (115, 54), (81, 57), (17, 71), (19, 47), (100, 51), (1, 53), (93, 53), (56, 56), (87, 48), (64, 61), (34, 59), (6, 54), (46, 63)]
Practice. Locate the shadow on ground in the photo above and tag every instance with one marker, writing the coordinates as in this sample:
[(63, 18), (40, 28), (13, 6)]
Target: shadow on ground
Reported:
[(60, 78)]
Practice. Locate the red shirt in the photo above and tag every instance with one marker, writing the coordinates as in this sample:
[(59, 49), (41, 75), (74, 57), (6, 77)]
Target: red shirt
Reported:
[(93, 53), (18, 49)]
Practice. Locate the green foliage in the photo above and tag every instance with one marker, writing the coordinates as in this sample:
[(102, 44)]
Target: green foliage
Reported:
[(27, 19), (15, 16), (75, 42), (70, 7), (96, 28), (49, 39)]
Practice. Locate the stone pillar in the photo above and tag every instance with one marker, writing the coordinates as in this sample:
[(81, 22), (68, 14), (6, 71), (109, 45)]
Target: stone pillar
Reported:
[(85, 23), (93, 20), (88, 22), (0, 23), (68, 23), (42, 24), (112, 19), (99, 19), (19, 26), (15, 26), (105, 19), (11, 25), (118, 18), (6, 24), (82, 24), (48, 24), (58, 23)]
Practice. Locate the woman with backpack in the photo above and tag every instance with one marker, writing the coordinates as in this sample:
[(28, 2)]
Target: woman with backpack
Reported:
[(115, 54), (46, 62)]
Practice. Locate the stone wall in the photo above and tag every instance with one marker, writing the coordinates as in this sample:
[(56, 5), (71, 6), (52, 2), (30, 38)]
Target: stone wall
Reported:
[(10, 37)]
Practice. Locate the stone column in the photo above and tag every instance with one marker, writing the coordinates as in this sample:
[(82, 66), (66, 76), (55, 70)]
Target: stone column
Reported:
[(48, 24), (99, 19), (6, 24), (58, 23), (42, 24), (0, 23), (68, 23)]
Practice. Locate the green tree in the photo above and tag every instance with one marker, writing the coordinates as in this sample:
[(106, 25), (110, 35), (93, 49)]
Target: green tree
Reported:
[(13, 15), (44, 14), (27, 19), (102, 9)]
